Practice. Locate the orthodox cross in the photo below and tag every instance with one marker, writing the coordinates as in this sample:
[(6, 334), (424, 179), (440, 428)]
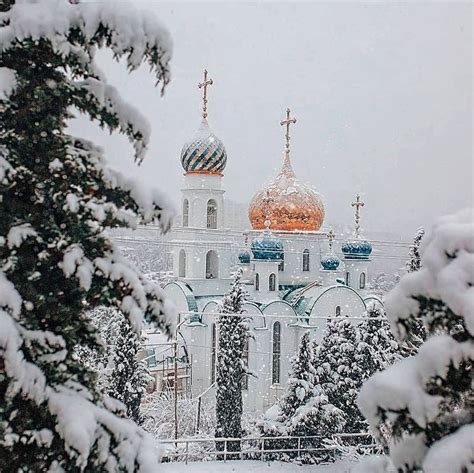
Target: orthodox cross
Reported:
[(288, 122), (204, 85), (357, 205), (330, 236)]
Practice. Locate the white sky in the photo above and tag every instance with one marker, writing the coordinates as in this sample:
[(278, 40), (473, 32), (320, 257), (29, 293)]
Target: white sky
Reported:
[(382, 94)]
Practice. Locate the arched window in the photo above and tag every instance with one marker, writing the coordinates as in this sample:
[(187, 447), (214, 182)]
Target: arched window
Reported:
[(182, 264), (276, 352), (213, 352), (185, 212), (281, 266), (257, 282), (245, 359), (338, 310), (348, 278), (362, 281), (272, 282), (306, 260), (211, 214), (212, 265)]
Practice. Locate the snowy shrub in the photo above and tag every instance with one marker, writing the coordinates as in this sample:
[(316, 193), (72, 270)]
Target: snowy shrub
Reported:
[(426, 401), (58, 198)]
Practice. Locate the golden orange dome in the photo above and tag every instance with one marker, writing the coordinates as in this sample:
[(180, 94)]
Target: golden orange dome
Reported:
[(287, 203)]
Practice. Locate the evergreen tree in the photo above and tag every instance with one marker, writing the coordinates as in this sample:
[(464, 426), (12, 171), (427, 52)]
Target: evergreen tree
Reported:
[(233, 334), (377, 346), (301, 380), (426, 401), (129, 377), (414, 261), (340, 370), (57, 198)]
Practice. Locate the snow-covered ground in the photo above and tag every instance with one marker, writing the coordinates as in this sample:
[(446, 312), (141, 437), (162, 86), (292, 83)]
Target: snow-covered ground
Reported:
[(256, 466)]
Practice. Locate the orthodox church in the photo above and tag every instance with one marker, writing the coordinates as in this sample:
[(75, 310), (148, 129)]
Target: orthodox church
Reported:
[(291, 269)]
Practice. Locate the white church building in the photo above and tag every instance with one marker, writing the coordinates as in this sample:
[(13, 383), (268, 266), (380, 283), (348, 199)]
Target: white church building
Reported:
[(291, 271)]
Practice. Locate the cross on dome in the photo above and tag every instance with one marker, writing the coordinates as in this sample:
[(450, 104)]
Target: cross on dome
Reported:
[(204, 85), (330, 236), (289, 120), (358, 204)]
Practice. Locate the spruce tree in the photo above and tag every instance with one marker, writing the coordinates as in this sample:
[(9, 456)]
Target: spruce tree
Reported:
[(233, 334), (129, 377), (57, 198), (426, 401), (340, 370), (414, 259)]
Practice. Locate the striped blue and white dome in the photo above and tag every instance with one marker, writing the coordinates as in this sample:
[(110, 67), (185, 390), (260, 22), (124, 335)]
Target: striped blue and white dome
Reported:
[(205, 153), (356, 249), (330, 262), (267, 248)]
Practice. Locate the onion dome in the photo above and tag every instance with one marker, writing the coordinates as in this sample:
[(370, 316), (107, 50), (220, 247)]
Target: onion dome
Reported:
[(287, 203), (357, 249), (244, 257), (205, 153), (330, 262), (267, 247)]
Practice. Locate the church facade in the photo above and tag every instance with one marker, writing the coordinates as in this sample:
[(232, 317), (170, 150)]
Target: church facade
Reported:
[(294, 278)]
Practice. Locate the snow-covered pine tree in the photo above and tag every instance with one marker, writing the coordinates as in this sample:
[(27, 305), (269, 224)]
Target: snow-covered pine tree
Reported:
[(129, 377), (340, 371), (377, 345), (301, 379), (57, 198), (414, 259), (233, 334), (427, 400)]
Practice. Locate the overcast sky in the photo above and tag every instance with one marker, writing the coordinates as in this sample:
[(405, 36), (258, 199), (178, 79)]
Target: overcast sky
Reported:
[(382, 94)]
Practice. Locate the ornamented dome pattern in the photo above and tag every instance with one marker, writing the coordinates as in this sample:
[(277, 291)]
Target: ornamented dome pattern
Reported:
[(205, 153), (267, 248), (356, 249), (244, 257), (287, 203), (330, 262)]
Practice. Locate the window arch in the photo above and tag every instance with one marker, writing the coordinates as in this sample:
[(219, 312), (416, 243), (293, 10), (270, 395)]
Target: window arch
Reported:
[(348, 278), (276, 352), (257, 282), (182, 264), (281, 265), (272, 282), (185, 212), (212, 265), (211, 213), (362, 281), (213, 353), (306, 260), (338, 310)]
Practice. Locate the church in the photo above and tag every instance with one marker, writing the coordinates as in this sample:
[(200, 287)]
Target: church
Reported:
[(293, 275)]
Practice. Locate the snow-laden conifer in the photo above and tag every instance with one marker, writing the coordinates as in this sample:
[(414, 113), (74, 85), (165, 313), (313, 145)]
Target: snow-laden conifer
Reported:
[(129, 377), (232, 336), (414, 259), (426, 401), (58, 197)]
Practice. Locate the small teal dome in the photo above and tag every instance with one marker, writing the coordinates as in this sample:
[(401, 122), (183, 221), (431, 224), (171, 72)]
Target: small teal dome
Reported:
[(205, 153), (267, 247), (330, 262), (357, 249), (244, 257)]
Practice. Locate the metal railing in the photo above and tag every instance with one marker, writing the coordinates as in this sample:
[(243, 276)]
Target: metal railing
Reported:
[(260, 448)]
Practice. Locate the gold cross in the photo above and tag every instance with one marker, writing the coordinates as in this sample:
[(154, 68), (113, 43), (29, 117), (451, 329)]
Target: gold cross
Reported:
[(287, 122), (358, 204), (205, 84), (330, 236)]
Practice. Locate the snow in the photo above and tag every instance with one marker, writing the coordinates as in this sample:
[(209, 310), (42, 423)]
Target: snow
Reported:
[(18, 234), (7, 82), (452, 453), (442, 276), (250, 466)]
